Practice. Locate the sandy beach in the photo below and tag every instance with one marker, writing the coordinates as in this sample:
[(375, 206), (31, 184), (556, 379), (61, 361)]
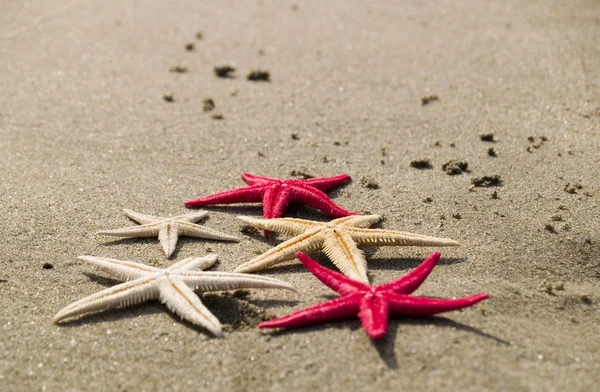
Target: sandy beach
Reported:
[(104, 106)]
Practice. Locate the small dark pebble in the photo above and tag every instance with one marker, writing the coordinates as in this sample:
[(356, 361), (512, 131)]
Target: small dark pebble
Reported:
[(495, 195), (428, 199), (455, 167), (190, 47), (217, 116), (421, 164), (337, 143), (572, 189), (224, 71), (429, 99), (586, 299), (295, 136), (457, 216), (259, 76), (550, 228), (169, 98), (47, 266), (452, 144), (492, 152), (208, 105), (487, 181), (487, 137), (301, 174), (199, 35), (369, 183), (178, 69)]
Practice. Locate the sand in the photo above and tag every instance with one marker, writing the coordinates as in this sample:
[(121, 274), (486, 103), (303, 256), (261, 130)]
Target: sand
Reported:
[(85, 131)]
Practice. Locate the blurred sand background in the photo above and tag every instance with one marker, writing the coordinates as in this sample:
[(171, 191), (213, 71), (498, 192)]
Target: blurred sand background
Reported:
[(85, 131)]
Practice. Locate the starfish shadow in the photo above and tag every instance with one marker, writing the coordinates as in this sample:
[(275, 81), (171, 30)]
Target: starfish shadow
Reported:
[(445, 322), (408, 263)]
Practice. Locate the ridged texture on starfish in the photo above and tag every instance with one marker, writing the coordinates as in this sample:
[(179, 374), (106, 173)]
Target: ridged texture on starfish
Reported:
[(371, 304), (339, 239), (277, 194), (168, 230), (173, 286)]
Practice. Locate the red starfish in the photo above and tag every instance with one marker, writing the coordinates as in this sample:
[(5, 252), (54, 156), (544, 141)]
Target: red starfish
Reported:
[(372, 304), (276, 194)]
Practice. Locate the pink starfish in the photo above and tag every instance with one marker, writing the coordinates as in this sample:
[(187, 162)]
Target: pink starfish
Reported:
[(372, 304), (277, 194)]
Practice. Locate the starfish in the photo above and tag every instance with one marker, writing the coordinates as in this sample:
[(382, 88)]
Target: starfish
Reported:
[(277, 194), (372, 304), (174, 286), (168, 229), (339, 239)]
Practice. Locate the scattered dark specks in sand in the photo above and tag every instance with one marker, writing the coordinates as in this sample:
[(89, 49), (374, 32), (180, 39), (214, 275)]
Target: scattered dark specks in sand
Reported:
[(169, 98), (224, 71), (178, 69), (301, 174), (208, 105), (429, 99), (199, 35), (492, 152), (217, 116), (369, 183), (234, 312), (556, 218), (428, 199), (550, 228), (47, 266), (249, 230), (383, 151), (190, 46), (487, 181), (535, 145), (586, 299), (572, 188), (234, 93), (260, 154), (437, 143), (259, 76), (487, 137), (454, 167), (421, 164), (452, 145), (457, 216), (495, 195), (295, 136)]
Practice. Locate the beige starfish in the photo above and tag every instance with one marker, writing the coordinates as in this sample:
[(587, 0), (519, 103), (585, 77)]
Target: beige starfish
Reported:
[(168, 230), (173, 286), (339, 239)]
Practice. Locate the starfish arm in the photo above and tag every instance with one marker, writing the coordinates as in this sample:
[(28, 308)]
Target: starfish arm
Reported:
[(250, 194), (122, 269), (194, 263), (334, 309), (252, 179), (193, 230), (182, 300), (191, 218), (168, 236), (218, 281), (411, 281), (124, 294), (327, 183), (140, 218), (318, 199), (146, 230), (404, 305), (333, 280), (281, 201), (307, 242), (374, 315), (360, 220), (287, 226), (346, 256), (381, 237), (268, 201)]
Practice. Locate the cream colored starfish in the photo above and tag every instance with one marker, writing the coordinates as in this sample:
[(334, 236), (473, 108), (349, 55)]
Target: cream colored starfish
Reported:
[(168, 230), (173, 286), (339, 239)]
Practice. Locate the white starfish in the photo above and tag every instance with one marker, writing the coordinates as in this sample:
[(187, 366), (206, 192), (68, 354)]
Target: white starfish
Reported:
[(173, 286), (339, 239), (168, 230)]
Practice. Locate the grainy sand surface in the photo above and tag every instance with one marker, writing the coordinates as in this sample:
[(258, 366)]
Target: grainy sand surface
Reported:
[(85, 132)]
